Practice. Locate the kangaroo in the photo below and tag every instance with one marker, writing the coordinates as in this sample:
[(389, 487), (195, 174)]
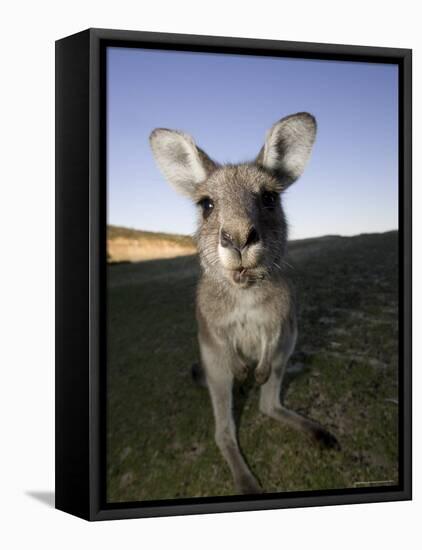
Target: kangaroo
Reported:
[(244, 307)]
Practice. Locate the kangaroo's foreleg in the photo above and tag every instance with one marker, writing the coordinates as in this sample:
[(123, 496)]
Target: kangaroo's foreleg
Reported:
[(263, 369)]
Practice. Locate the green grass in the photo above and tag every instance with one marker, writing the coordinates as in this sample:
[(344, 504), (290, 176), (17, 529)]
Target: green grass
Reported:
[(343, 374)]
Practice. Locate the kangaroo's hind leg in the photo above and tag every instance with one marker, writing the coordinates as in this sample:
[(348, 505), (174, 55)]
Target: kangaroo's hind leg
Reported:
[(220, 379), (270, 400)]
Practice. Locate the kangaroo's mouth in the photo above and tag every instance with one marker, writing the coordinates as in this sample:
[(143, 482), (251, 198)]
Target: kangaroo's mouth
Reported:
[(240, 275)]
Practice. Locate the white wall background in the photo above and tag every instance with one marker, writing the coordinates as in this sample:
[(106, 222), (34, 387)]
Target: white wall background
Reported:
[(29, 29)]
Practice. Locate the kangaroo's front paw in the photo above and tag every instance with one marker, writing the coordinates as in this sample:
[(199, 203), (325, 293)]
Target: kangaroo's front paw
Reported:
[(262, 373), (240, 372)]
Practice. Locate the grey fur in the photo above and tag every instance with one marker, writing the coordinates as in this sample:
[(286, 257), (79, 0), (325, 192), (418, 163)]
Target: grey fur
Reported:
[(245, 307)]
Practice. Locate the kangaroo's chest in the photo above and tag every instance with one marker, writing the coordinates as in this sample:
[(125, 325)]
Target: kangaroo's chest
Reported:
[(249, 327)]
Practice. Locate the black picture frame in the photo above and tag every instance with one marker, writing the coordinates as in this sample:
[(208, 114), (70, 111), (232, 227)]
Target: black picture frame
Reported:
[(81, 263)]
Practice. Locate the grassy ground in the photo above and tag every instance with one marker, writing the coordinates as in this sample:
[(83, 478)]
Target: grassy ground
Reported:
[(343, 374)]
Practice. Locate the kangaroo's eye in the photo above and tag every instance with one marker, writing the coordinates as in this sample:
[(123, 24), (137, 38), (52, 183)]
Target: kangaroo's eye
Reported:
[(207, 206), (269, 199)]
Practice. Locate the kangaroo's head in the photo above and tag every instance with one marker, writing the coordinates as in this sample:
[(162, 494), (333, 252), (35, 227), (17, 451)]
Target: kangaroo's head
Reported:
[(242, 229)]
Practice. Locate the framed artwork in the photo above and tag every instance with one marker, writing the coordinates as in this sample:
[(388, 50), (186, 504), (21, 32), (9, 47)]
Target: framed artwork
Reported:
[(233, 274)]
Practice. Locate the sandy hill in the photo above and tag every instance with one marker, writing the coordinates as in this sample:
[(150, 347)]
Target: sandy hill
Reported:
[(132, 245)]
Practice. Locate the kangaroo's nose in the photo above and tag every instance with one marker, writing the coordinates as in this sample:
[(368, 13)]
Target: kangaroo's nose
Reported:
[(229, 240), (252, 238)]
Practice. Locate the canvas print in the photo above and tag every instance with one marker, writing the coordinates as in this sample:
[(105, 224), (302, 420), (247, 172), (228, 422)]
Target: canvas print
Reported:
[(252, 275)]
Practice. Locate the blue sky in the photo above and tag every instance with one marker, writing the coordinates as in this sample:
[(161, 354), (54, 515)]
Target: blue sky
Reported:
[(227, 103)]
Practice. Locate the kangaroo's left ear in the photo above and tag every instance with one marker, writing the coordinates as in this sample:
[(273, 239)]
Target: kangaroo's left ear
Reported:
[(288, 147)]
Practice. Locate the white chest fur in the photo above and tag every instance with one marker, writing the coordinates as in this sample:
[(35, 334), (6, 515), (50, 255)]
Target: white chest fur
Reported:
[(249, 326)]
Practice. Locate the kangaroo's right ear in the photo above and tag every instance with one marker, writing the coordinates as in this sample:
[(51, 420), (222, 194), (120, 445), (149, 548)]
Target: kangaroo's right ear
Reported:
[(288, 147), (182, 163)]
